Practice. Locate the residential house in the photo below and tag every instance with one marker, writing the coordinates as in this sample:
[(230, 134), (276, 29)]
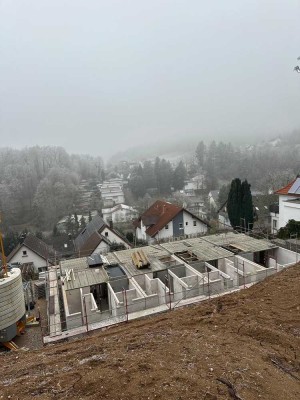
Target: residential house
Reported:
[(196, 206), (223, 219), (33, 251), (112, 192), (213, 199), (163, 221), (193, 185), (119, 213), (289, 205), (98, 238)]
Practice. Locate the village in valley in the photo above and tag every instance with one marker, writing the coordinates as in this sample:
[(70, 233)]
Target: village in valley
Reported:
[(141, 237), (149, 200)]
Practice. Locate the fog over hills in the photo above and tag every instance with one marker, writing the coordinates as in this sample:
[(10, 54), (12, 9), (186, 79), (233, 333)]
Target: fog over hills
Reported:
[(180, 148), (99, 77)]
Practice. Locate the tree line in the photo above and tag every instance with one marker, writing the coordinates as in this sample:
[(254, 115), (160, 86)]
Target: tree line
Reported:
[(40, 184), (266, 166), (158, 176)]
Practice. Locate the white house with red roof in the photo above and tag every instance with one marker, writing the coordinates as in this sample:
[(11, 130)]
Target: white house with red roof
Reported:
[(163, 221), (289, 205)]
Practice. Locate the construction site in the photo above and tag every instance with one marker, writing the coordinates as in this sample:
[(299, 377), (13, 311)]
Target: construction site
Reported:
[(244, 345), (96, 292)]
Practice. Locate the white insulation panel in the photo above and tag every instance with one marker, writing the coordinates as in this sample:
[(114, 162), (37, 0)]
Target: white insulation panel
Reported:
[(12, 303)]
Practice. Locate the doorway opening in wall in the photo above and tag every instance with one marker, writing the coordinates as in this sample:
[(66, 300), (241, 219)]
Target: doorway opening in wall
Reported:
[(100, 294), (261, 258)]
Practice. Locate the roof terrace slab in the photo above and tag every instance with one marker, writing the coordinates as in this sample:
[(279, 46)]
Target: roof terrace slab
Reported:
[(239, 241), (153, 253), (85, 278), (77, 264)]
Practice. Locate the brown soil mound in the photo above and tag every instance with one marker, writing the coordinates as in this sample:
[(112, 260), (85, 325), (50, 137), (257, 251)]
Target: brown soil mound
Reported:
[(241, 346)]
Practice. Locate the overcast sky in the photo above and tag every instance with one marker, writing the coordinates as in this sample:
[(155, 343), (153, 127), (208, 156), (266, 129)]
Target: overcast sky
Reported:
[(100, 76)]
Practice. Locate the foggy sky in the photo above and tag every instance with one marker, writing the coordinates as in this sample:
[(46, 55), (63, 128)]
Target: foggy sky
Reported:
[(100, 76)]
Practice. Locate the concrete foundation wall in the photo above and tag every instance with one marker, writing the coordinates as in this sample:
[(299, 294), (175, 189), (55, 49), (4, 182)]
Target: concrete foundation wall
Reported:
[(163, 293), (119, 284), (115, 301), (249, 256), (226, 280), (73, 310), (226, 266), (149, 286), (250, 272), (285, 256)]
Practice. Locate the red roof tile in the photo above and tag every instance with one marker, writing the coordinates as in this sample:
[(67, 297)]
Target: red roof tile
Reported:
[(157, 216), (285, 189)]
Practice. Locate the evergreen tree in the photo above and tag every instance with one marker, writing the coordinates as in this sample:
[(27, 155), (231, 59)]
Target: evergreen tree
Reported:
[(76, 222), (70, 226), (164, 174), (179, 176), (200, 153), (239, 205), (55, 231), (234, 203), (291, 228), (247, 205), (82, 222), (149, 175)]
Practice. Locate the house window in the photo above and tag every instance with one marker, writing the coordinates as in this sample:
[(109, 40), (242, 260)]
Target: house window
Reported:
[(194, 223), (167, 226), (186, 223), (24, 253), (180, 225), (106, 234)]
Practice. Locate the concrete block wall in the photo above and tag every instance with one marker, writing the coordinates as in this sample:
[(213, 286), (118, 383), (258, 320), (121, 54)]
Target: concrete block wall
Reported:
[(285, 257), (250, 272), (115, 301), (150, 290), (226, 266), (73, 319)]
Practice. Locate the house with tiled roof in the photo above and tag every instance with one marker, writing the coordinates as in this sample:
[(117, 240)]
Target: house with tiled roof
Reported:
[(119, 213), (163, 221), (98, 238), (288, 205), (33, 251)]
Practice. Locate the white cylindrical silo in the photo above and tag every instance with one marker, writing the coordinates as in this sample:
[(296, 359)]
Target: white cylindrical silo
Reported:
[(12, 304)]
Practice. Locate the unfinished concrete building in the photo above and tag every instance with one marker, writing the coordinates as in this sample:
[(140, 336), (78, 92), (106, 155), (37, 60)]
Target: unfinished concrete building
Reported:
[(99, 291)]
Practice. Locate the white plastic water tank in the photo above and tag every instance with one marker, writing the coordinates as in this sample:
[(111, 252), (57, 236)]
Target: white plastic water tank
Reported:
[(12, 303)]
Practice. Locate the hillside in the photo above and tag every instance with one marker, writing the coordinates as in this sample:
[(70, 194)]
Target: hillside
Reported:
[(242, 346)]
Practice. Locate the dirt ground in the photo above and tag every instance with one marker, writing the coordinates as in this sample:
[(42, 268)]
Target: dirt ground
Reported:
[(245, 345), (32, 338)]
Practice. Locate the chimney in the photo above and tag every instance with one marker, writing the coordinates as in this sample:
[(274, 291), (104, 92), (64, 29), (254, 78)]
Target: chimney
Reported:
[(111, 225)]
